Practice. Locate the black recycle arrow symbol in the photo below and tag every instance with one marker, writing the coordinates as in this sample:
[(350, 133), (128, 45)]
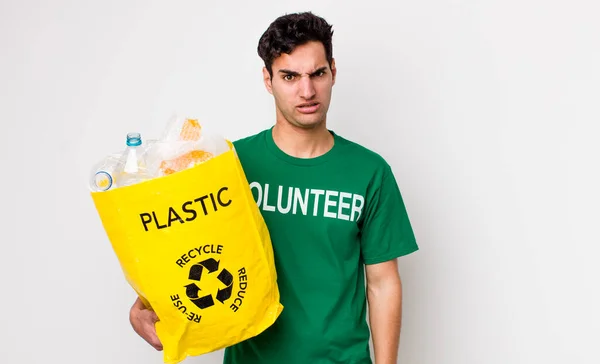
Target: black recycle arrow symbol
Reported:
[(196, 270), (227, 279), (191, 290)]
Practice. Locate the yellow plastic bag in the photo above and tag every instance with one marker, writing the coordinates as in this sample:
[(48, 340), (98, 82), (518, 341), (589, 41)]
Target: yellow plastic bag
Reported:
[(196, 249)]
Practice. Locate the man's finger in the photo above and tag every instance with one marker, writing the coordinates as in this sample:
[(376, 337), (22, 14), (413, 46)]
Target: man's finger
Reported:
[(155, 342), (158, 347)]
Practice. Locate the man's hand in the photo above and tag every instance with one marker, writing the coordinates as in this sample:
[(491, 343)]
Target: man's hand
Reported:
[(143, 320)]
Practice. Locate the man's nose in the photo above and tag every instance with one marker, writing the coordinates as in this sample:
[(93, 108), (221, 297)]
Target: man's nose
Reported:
[(307, 89)]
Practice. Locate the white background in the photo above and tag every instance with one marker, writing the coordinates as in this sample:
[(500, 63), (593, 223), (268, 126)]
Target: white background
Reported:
[(486, 110)]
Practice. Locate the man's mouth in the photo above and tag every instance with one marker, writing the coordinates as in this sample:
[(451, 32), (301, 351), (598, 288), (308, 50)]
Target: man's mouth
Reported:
[(308, 107)]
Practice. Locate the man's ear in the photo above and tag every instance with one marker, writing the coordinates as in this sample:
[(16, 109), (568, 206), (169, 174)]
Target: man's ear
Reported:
[(333, 71), (267, 80)]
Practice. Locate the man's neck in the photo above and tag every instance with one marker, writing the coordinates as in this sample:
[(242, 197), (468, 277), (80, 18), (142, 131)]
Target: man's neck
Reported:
[(302, 143)]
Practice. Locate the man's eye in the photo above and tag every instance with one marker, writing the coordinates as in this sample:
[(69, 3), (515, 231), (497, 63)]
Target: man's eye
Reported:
[(320, 73), (288, 77)]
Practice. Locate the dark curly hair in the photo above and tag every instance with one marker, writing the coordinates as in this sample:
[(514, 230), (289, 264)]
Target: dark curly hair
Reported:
[(291, 30)]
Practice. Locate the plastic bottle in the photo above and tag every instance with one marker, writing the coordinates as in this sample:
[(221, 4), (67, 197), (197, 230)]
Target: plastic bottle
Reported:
[(132, 166), (103, 174)]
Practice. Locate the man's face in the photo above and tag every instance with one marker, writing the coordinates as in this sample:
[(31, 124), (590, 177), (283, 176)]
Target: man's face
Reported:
[(301, 85)]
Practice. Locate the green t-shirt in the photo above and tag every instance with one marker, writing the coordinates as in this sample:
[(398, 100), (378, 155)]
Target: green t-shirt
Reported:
[(327, 217)]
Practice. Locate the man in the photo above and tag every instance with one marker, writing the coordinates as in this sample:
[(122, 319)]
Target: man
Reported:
[(333, 210)]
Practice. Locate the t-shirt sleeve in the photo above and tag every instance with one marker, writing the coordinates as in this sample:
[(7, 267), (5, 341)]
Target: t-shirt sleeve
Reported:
[(386, 232)]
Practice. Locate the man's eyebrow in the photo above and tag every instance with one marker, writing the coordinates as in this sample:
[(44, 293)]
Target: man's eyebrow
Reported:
[(322, 69), (288, 72)]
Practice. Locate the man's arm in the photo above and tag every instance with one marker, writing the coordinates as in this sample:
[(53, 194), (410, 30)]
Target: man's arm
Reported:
[(384, 293)]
